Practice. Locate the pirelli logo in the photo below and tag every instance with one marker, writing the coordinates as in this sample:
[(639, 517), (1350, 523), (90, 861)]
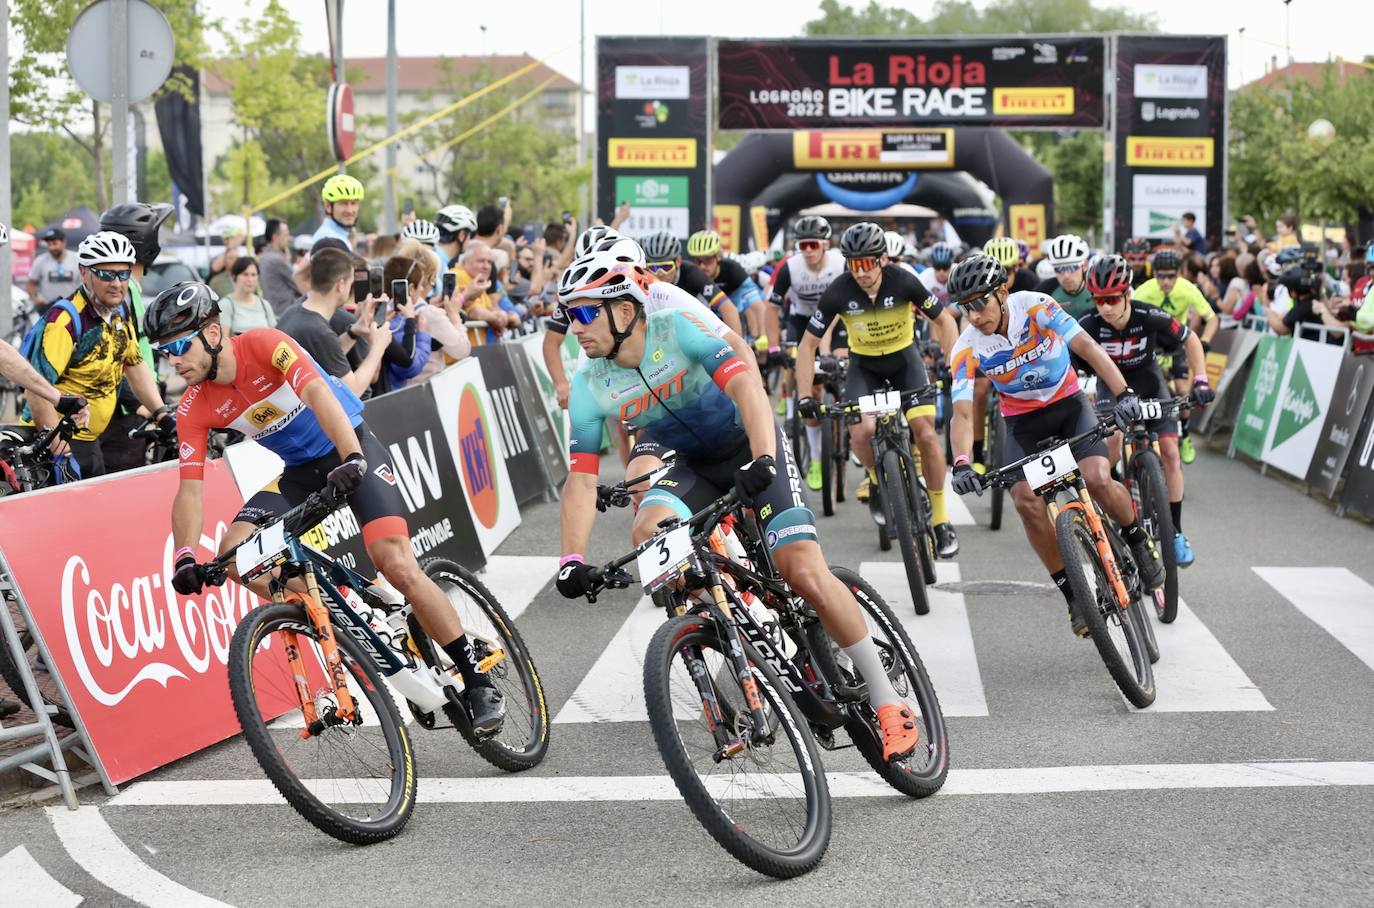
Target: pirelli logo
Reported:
[(1032, 102), (1158, 151), (283, 357), (646, 153)]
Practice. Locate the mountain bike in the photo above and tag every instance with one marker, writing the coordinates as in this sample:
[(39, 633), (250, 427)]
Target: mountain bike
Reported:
[(905, 503), (830, 375), (994, 448), (1103, 576), (742, 683), (337, 660)]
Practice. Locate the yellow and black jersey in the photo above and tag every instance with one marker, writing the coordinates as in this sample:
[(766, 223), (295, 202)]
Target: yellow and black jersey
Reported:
[(883, 323)]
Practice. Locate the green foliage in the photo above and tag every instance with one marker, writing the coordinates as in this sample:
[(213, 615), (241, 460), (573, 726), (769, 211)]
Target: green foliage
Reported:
[(513, 156), (49, 175), (1274, 165)]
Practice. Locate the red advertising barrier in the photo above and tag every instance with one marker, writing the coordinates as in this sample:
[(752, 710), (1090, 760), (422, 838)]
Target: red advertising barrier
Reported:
[(144, 666)]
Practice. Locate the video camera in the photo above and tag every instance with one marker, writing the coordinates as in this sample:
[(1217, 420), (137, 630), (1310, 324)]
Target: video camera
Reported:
[(1303, 279)]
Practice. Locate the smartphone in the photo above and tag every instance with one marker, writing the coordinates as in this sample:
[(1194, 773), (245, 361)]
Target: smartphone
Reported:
[(374, 280), (400, 291), (503, 202), (531, 231), (450, 283), (361, 287), (567, 217), (408, 207)]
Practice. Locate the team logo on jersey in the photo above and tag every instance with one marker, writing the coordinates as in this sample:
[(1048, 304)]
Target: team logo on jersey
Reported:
[(888, 302), (264, 414), (283, 357), (384, 471), (185, 451), (855, 306), (1121, 349), (658, 356)]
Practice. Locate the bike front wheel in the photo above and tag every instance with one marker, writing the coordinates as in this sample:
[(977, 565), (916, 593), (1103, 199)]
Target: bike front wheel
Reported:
[(994, 448), (353, 780), (764, 800), (1117, 636), (900, 525), (1150, 494)]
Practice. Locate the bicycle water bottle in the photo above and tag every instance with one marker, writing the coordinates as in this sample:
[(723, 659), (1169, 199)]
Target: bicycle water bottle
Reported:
[(375, 618), (768, 620)]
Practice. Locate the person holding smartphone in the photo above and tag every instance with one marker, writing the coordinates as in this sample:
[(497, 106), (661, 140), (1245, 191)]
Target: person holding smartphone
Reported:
[(308, 322), (440, 338)]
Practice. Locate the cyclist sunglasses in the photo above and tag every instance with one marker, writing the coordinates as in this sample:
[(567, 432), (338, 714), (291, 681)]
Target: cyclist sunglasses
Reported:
[(660, 267), (1067, 269), (177, 347), (583, 314), (858, 266), (1166, 275), (1109, 300), (976, 304), (704, 260), (109, 275), (809, 245)]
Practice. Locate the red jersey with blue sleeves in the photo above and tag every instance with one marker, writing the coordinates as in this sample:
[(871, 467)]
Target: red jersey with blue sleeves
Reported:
[(677, 393), (263, 402), (1030, 367)]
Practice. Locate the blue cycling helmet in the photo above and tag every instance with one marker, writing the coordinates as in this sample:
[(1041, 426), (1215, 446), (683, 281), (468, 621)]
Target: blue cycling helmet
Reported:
[(941, 255), (1290, 254), (1369, 254)]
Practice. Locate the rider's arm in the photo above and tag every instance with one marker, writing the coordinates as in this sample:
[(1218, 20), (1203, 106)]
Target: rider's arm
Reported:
[(1173, 336), (553, 360), (725, 310), (1197, 360), (748, 394), (143, 384), (18, 370), (578, 509), (1210, 323), (963, 369), (806, 361), (946, 330), (188, 514), (946, 327), (319, 397), (1088, 350), (827, 311)]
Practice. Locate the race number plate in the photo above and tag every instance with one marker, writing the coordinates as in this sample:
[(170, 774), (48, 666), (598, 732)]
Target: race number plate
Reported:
[(261, 552), (1151, 410), (1050, 467), (882, 402), (665, 558)]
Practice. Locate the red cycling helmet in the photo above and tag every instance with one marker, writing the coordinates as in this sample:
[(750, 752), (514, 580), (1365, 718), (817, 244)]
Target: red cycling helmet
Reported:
[(1110, 275)]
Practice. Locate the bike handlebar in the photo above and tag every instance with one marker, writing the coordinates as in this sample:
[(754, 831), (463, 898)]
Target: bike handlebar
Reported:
[(1011, 474), (316, 507)]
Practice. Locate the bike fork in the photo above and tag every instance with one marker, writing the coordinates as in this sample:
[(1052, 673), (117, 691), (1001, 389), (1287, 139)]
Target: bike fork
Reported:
[(347, 707)]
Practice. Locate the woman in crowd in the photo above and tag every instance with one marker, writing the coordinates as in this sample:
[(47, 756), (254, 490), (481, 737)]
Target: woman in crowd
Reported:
[(440, 320), (244, 308)]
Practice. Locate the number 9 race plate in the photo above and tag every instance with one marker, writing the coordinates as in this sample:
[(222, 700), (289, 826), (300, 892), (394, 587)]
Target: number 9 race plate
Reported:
[(1050, 467)]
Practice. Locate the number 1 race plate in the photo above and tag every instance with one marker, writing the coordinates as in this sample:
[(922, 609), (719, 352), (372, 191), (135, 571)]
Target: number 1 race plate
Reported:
[(1050, 467), (261, 552), (665, 558)]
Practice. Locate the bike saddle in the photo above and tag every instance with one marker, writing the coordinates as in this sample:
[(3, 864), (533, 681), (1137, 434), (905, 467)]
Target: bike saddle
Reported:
[(17, 435)]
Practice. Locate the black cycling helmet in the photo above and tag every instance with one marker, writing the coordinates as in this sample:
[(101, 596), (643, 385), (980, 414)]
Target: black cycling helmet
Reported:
[(184, 306), (138, 222), (661, 247), (1110, 275), (977, 275), (1166, 259), (1136, 247), (941, 255), (811, 227), (1290, 254), (863, 240)]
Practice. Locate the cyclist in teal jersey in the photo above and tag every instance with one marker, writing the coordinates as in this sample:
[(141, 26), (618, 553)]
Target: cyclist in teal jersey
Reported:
[(668, 374), (1068, 255)]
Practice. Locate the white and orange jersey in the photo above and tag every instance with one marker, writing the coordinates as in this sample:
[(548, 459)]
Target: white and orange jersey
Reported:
[(1030, 367)]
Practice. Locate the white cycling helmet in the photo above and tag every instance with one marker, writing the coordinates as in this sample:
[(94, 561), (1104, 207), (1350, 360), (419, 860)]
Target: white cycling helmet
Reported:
[(1066, 249), (622, 248), (591, 237), (604, 275), (106, 248), (424, 231), (453, 218), (896, 246), (1044, 269)]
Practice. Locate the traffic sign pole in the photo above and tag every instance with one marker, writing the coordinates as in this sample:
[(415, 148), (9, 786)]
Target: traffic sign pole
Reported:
[(119, 105), (6, 257)]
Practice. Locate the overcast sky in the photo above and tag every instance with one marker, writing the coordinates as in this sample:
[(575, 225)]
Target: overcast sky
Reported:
[(1320, 28)]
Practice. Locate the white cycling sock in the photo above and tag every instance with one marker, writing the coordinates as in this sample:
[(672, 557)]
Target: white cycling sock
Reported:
[(813, 438), (864, 655), (790, 403)]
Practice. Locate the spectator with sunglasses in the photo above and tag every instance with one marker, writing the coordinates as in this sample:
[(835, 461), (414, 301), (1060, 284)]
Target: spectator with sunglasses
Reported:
[(1068, 255), (86, 349), (663, 259)]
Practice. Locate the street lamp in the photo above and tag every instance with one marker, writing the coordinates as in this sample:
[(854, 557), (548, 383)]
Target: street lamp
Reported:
[(1321, 132)]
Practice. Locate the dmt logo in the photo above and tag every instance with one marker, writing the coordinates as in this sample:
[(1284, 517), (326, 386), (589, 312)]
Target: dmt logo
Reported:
[(479, 471)]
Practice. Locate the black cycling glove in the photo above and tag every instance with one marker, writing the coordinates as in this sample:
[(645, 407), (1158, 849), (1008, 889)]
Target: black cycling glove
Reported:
[(576, 579), (70, 404), (809, 408), (754, 477), (346, 477), (186, 579), (1127, 411), (966, 480), (1203, 392)]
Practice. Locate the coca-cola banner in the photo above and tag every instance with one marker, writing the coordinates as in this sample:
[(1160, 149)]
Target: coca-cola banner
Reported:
[(827, 82), (143, 665)]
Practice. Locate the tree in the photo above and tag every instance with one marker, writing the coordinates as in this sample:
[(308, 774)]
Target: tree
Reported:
[(48, 177), (1073, 157), (513, 156), (43, 93)]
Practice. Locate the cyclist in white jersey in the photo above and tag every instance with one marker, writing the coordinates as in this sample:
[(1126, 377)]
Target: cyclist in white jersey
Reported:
[(796, 290), (936, 277)]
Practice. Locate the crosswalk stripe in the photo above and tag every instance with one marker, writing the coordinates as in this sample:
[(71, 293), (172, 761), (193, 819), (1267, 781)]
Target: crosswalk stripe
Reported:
[(959, 514), (1341, 603), (850, 784), (1195, 673), (517, 579), (613, 691), (943, 638), (28, 884)]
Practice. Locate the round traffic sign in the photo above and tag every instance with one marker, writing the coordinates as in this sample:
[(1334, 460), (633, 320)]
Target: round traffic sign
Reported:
[(90, 55), (340, 118)]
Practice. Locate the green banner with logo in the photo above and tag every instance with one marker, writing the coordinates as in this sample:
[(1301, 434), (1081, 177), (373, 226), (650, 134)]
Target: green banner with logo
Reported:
[(1267, 374), (652, 192)]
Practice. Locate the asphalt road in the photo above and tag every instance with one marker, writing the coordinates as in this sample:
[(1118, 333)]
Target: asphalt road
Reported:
[(1265, 667)]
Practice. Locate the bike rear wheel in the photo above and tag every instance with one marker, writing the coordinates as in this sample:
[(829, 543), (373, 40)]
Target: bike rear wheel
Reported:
[(900, 526), (923, 773), (353, 781), (1150, 493), (1118, 638), (523, 740), (768, 805)]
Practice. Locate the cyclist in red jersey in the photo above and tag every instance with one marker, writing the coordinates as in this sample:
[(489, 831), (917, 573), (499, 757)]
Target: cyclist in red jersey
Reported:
[(265, 386)]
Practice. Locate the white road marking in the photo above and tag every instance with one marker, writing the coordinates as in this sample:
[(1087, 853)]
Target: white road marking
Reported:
[(959, 514), (28, 885), (1195, 673), (1341, 603), (1031, 780), (943, 638), (96, 849), (517, 579)]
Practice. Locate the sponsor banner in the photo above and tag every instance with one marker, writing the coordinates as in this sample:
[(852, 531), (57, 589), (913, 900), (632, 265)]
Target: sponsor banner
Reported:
[(470, 427), (143, 665), (1267, 376), (758, 219), (1300, 408), (1358, 494), (555, 419), (867, 149), (652, 153), (545, 437), (512, 429), (652, 100), (1170, 125), (725, 220), (1226, 363), (1028, 223), (1349, 402), (836, 82)]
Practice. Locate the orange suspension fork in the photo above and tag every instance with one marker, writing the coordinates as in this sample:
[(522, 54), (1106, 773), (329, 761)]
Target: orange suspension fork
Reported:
[(319, 617), (1104, 548)]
